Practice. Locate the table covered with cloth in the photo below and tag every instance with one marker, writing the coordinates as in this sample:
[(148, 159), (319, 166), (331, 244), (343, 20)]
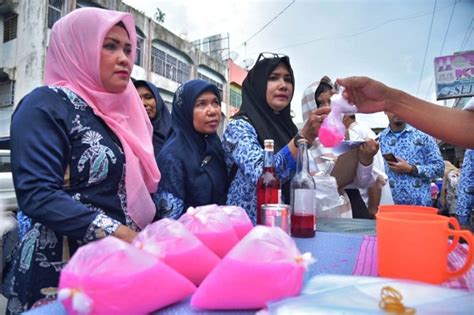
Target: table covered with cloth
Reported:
[(341, 246)]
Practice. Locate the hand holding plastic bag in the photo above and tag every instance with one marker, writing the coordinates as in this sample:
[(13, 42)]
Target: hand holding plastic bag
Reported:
[(168, 240), (110, 276), (266, 265), (332, 130)]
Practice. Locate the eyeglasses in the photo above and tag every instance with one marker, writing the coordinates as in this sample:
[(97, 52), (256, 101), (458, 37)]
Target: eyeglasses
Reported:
[(269, 55)]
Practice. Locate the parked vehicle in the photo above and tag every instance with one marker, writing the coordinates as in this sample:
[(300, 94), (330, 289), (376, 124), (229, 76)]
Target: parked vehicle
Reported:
[(7, 190)]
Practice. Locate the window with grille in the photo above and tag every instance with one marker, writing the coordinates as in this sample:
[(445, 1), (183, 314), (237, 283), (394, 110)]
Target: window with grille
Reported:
[(139, 56), (219, 85), (235, 97), (168, 66), (7, 93), (10, 27), (55, 11)]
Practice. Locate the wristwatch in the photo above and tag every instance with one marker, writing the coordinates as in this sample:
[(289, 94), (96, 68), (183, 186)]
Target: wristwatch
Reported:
[(297, 138), (414, 170)]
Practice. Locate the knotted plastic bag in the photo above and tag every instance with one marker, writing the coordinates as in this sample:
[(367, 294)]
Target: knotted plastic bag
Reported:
[(266, 265), (239, 219), (169, 241), (212, 227), (332, 130), (110, 276)]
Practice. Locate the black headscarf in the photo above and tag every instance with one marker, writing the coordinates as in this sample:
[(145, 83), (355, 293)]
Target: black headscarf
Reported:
[(268, 124), (162, 121), (200, 156)]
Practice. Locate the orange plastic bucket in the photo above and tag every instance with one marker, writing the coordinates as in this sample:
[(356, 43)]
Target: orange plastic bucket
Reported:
[(415, 246)]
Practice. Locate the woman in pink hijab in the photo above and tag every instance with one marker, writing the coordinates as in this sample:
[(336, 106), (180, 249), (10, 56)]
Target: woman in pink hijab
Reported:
[(82, 154)]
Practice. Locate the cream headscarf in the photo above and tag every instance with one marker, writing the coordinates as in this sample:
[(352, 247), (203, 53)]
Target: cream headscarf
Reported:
[(308, 102)]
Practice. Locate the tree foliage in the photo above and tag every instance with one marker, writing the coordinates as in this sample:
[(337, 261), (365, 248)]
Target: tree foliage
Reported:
[(159, 15)]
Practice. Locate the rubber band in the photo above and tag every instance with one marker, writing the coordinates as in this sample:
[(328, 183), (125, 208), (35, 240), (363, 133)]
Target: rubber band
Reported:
[(391, 302)]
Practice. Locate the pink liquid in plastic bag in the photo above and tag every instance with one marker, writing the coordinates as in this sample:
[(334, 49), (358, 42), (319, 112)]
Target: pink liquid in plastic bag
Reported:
[(330, 136), (170, 241), (121, 279), (195, 264), (246, 285), (219, 242), (212, 227), (240, 220), (261, 268)]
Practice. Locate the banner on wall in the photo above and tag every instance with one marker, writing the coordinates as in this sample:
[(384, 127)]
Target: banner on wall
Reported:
[(454, 75)]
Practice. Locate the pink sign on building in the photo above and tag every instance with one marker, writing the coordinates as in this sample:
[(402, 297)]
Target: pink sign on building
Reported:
[(454, 75)]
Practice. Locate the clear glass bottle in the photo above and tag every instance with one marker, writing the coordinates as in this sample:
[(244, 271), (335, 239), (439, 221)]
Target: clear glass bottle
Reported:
[(268, 185), (303, 203)]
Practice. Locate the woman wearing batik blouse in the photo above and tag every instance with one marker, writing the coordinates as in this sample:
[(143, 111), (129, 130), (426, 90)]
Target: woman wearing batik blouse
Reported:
[(191, 161), (265, 114), (80, 145)]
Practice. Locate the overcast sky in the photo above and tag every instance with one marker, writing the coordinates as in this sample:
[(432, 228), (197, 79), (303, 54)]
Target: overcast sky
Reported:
[(383, 39)]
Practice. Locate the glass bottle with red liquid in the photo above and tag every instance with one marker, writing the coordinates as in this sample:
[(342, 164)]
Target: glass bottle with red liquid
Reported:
[(303, 202), (268, 185)]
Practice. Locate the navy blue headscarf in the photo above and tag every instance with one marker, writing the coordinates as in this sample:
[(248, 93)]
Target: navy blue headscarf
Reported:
[(162, 121), (192, 164)]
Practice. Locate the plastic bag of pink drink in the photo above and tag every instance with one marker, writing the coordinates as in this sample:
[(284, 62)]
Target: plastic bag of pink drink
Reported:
[(266, 265), (169, 241), (110, 276), (332, 130), (212, 227), (240, 220)]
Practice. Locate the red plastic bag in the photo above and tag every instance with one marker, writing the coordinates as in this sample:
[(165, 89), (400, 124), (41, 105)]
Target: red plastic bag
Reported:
[(240, 220), (110, 276), (266, 265), (169, 241), (212, 227)]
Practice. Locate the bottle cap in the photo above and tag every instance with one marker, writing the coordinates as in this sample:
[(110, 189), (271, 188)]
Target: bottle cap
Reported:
[(302, 140), (268, 144)]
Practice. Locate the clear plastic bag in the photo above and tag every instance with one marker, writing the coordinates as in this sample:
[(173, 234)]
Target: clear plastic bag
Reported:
[(266, 265), (171, 242), (339, 294), (211, 226), (110, 276), (332, 129), (240, 220)]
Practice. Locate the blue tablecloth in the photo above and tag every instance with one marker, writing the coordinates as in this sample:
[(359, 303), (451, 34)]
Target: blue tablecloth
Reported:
[(336, 253)]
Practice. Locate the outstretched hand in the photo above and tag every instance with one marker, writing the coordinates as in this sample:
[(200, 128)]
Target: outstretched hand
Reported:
[(368, 95)]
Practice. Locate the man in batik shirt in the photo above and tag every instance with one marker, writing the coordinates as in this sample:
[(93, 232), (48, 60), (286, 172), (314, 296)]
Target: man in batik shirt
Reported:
[(418, 162)]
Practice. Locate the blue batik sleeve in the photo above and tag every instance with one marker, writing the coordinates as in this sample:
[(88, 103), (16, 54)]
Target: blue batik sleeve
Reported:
[(465, 200), (241, 144), (433, 166)]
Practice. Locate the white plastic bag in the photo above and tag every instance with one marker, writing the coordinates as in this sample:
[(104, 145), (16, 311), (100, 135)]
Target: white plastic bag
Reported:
[(329, 204)]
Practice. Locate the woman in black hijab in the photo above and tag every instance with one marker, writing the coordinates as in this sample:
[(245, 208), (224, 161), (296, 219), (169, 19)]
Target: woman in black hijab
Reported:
[(157, 112), (193, 171), (265, 114)]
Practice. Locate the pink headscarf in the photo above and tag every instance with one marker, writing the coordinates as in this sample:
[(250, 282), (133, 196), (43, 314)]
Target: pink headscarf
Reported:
[(73, 61)]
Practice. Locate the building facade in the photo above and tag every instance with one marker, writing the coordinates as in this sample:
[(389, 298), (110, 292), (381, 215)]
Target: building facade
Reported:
[(162, 57)]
